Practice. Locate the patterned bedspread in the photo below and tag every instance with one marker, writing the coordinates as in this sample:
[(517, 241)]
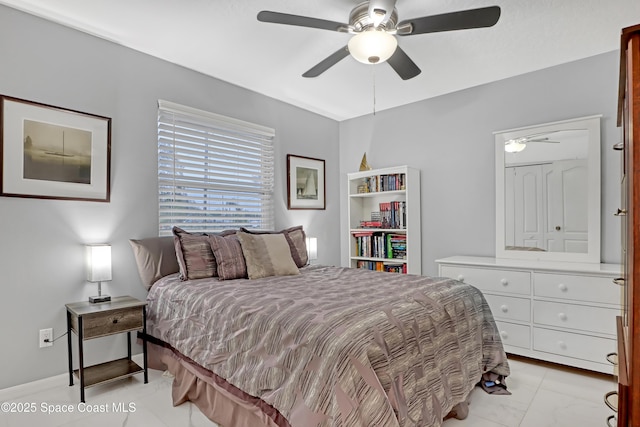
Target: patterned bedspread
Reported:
[(336, 346)]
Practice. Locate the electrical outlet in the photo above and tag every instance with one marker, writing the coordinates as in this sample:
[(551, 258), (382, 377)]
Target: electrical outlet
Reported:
[(46, 337)]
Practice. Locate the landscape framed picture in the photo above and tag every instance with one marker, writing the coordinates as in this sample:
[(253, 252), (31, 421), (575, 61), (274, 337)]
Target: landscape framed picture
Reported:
[(53, 153), (305, 183)]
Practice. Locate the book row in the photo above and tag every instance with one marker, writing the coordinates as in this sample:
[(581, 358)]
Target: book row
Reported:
[(381, 266), (381, 245), (377, 183)]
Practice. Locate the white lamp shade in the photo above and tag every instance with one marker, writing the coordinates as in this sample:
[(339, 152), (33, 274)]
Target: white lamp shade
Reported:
[(372, 46), (98, 263), (312, 248)]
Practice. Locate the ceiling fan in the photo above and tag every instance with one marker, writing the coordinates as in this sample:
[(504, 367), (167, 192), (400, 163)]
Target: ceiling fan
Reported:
[(516, 145), (374, 25)]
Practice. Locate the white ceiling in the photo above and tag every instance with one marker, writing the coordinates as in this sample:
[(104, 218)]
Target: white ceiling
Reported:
[(224, 39)]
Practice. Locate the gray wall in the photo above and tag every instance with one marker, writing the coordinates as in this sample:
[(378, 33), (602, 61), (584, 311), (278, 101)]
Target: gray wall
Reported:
[(41, 250), (449, 138)]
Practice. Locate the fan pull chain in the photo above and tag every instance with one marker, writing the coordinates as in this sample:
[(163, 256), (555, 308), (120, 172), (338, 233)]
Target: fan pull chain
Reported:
[(374, 88)]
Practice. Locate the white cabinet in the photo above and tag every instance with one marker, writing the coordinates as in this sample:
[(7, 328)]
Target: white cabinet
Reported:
[(384, 220), (562, 312)]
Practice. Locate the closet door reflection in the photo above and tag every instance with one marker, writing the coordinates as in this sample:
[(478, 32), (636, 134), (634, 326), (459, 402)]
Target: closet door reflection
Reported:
[(546, 207)]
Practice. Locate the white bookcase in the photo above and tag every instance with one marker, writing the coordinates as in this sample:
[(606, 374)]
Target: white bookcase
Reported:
[(390, 240)]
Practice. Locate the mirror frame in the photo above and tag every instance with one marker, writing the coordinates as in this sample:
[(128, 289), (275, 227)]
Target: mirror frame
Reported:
[(590, 123)]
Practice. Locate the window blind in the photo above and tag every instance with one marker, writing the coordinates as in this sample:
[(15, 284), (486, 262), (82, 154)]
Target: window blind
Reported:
[(214, 172)]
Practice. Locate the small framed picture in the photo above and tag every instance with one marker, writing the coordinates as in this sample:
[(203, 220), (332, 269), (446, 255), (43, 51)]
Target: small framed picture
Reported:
[(53, 153), (305, 183)]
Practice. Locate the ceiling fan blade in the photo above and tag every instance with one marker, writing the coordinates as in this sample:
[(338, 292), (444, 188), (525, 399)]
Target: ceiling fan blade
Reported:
[(462, 20), (545, 140), (380, 11), (300, 21), (403, 65), (327, 63)]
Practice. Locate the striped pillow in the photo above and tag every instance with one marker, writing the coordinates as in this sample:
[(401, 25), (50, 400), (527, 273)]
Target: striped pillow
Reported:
[(229, 258), (194, 254)]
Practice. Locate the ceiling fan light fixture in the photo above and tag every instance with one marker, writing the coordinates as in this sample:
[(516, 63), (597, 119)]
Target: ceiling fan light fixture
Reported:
[(372, 46), (378, 16), (515, 145)]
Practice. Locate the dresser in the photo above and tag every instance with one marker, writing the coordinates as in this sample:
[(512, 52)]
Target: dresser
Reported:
[(628, 410), (562, 312)]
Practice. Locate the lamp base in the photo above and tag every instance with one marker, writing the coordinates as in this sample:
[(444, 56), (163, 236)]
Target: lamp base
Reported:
[(100, 298)]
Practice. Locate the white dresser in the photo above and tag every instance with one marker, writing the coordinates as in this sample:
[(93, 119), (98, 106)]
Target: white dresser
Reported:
[(562, 312)]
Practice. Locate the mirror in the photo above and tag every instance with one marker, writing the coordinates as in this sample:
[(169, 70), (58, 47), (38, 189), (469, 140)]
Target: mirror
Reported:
[(548, 191)]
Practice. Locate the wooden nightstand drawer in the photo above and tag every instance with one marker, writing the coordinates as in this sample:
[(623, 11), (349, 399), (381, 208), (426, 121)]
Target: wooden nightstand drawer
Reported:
[(112, 322)]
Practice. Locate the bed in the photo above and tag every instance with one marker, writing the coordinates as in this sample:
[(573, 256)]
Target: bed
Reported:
[(321, 346)]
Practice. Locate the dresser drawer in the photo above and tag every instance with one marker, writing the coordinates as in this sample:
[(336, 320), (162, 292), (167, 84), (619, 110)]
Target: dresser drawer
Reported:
[(111, 322), (569, 344), (514, 335), (578, 288), (509, 308), (566, 315), (517, 282)]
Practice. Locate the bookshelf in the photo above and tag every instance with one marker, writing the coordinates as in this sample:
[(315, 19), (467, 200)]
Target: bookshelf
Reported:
[(384, 220)]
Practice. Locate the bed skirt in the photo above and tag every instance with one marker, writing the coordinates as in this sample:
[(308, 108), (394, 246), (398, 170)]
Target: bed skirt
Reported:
[(220, 401)]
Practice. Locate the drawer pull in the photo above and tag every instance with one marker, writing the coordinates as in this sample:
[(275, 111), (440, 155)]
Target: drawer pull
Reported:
[(563, 287), (504, 335), (609, 403), (504, 308), (562, 345), (620, 212), (562, 316), (619, 281), (460, 278), (612, 418), (610, 358), (504, 282), (619, 146)]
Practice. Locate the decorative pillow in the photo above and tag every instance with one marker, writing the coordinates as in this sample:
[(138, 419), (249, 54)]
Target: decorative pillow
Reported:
[(194, 255), (229, 258), (297, 240), (155, 257), (267, 255)]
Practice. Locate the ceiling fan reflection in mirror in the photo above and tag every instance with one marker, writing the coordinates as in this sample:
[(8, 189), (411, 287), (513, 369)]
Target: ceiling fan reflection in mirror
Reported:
[(374, 26), (516, 145)]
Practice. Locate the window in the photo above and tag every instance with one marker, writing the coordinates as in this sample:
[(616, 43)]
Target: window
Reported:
[(214, 172)]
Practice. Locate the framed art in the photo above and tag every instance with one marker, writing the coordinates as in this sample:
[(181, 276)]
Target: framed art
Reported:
[(305, 183), (53, 153)]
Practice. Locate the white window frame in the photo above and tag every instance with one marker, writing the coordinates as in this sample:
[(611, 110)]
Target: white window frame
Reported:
[(214, 172)]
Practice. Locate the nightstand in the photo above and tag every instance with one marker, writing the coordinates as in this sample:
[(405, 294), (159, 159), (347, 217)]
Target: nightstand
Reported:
[(95, 320)]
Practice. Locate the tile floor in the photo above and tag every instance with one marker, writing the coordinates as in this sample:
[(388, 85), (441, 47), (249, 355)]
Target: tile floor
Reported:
[(542, 395)]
